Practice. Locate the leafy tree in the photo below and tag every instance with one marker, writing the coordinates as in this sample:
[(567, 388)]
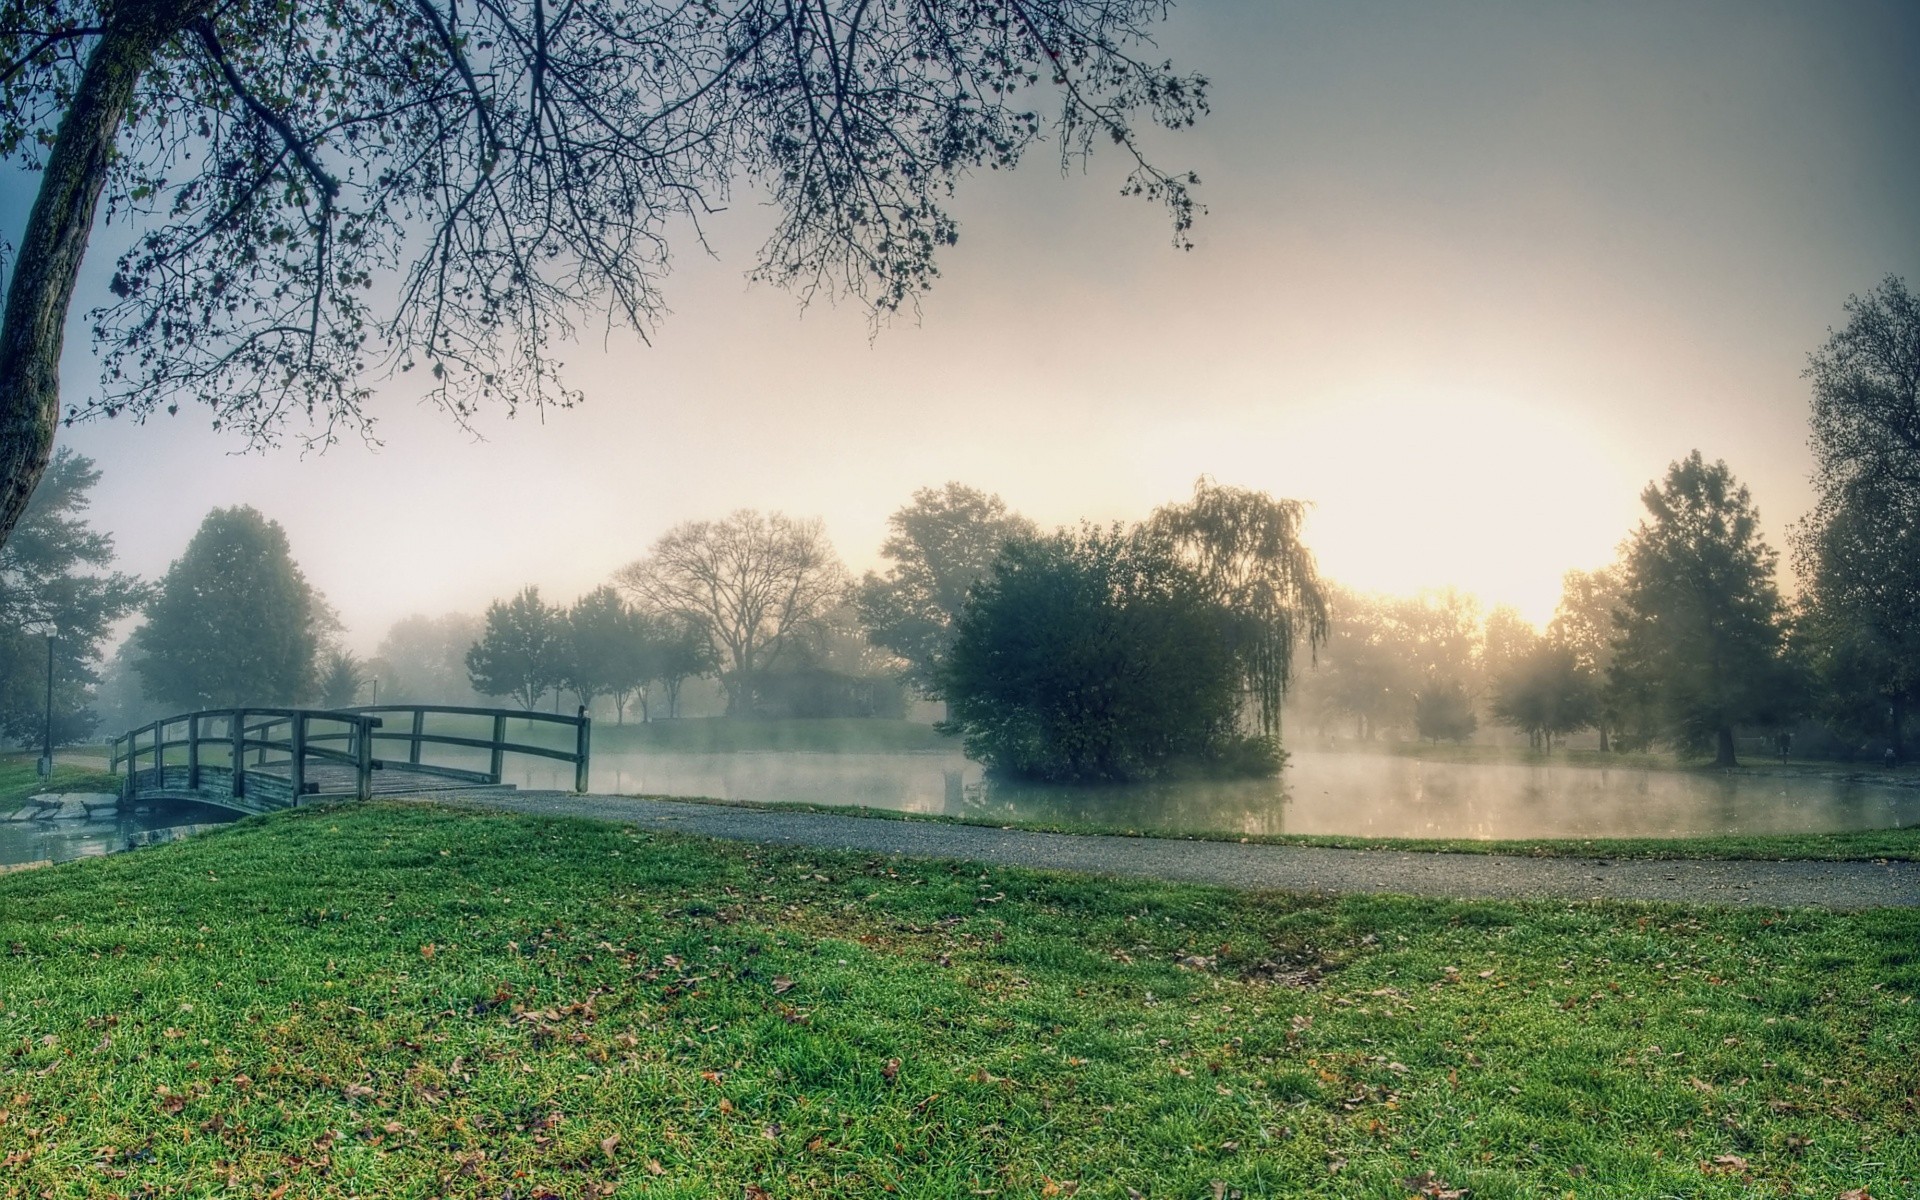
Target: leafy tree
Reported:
[(341, 678), (55, 579), (608, 648), (234, 621), (1700, 615), (1857, 549), (1858, 623), (940, 545), (1360, 674), (1584, 624), (1246, 547), (1546, 693), (423, 659), (752, 581), (685, 651), (1866, 399), (1443, 711), (1096, 656), (321, 191), (519, 653)]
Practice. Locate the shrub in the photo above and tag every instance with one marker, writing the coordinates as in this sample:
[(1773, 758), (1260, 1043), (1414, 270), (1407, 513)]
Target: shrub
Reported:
[(1097, 656)]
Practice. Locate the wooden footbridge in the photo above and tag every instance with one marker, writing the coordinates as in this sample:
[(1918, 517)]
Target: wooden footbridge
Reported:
[(255, 760)]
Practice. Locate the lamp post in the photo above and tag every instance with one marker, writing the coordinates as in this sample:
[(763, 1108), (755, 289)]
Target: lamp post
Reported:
[(46, 757)]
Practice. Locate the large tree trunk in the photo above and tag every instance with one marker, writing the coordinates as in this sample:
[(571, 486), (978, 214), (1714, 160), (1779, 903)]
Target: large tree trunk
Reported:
[(33, 330), (1723, 756)]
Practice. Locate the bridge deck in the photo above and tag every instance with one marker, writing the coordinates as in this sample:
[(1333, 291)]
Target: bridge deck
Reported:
[(268, 788)]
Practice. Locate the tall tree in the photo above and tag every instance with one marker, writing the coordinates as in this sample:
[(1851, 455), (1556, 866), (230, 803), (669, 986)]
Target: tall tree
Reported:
[(341, 678), (1584, 624), (1866, 398), (1545, 692), (519, 653), (685, 651), (752, 581), (424, 659), (1859, 615), (1097, 656), (1248, 551), (606, 648), (322, 191), (1857, 550), (234, 621), (1700, 615), (1362, 674), (940, 545), (56, 580)]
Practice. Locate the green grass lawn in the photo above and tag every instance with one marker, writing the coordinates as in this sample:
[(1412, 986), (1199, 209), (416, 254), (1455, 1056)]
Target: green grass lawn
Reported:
[(716, 735), (400, 1001), (18, 779)]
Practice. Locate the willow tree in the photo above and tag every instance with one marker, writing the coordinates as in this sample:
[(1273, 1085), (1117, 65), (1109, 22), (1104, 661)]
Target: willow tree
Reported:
[(319, 193), (1247, 548)]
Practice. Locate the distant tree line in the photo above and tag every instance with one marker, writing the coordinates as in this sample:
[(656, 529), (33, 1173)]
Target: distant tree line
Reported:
[(1096, 653), (1686, 640)]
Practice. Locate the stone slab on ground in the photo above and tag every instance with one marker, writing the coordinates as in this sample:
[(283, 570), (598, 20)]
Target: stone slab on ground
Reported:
[(1831, 885)]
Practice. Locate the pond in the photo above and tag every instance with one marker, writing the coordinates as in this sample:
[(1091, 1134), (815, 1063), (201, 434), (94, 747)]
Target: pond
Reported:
[(1376, 795), (73, 834)]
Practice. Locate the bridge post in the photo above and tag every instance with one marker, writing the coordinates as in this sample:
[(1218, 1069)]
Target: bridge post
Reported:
[(159, 754), (583, 742), (297, 768), (237, 729), (363, 742), (419, 727), (193, 753), (498, 769)]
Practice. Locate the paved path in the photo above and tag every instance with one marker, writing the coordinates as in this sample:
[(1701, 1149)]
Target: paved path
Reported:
[(1836, 885)]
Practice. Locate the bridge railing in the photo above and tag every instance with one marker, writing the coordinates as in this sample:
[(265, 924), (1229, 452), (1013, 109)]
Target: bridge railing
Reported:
[(408, 726), (260, 753)]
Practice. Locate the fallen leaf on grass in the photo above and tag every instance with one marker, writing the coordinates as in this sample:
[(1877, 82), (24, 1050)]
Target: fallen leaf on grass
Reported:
[(782, 985), (755, 1192), (654, 1167), (891, 1070), (607, 1145), (1855, 1194), (1427, 1184), (1725, 1164)]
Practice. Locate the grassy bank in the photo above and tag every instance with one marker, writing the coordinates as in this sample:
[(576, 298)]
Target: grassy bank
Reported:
[(406, 1001), (721, 735), (19, 779), (1901, 845)]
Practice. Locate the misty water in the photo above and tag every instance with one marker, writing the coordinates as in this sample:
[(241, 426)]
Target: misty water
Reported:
[(28, 841), (1376, 795)]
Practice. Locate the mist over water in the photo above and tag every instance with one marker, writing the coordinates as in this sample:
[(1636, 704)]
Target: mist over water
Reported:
[(1320, 793)]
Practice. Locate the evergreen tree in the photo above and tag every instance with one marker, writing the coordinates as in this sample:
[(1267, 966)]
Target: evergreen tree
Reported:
[(341, 678), (519, 654), (234, 622), (1700, 614)]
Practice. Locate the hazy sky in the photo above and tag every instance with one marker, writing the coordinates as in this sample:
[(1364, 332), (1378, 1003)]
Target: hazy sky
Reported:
[(1472, 275)]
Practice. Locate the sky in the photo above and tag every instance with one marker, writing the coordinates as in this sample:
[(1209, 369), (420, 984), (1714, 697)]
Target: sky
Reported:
[(1471, 275)]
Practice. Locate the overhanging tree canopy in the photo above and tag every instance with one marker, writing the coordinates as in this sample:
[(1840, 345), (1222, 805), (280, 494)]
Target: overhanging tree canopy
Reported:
[(322, 191)]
